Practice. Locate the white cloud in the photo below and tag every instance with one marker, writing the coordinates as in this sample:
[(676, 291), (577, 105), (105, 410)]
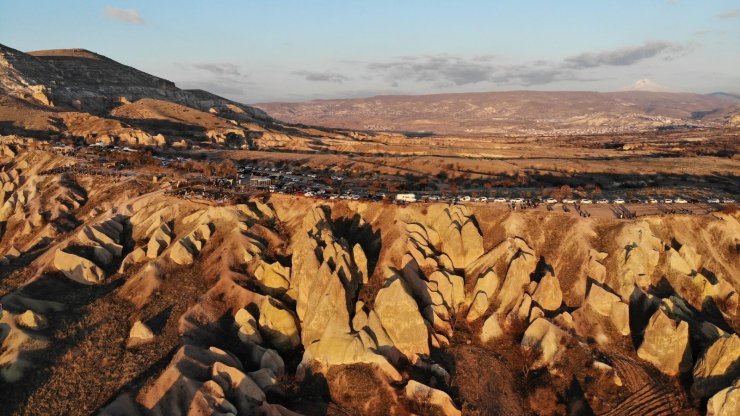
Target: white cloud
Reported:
[(130, 16)]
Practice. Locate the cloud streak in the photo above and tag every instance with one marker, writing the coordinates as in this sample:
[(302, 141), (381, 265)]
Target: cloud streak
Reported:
[(220, 69), (130, 16), (628, 55), (730, 14), (326, 76), (448, 70)]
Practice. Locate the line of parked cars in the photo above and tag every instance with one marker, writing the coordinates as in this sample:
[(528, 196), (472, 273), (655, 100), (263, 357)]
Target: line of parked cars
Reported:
[(602, 201)]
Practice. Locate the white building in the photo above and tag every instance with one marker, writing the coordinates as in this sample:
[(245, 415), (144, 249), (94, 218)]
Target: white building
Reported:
[(406, 197)]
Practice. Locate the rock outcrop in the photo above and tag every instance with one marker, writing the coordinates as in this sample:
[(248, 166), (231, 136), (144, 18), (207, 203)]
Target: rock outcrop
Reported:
[(725, 402), (418, 392), (542, 343), (717, 367), (140, 334), (666, 344), (77, 268)]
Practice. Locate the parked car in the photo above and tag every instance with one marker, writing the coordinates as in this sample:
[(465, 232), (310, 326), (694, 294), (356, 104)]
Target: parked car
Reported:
[(652, 200), (551, 201), (481, 199), (681, 201), (586, 201), (434, 197), (667, 201), (602, 201), (520, 200), (569, 201), (713, 201), (464, 198), (728, 201), (619, 201), (499, 199)]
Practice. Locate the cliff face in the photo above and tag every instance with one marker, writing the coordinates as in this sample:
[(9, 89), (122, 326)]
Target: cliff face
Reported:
[(144, 303)]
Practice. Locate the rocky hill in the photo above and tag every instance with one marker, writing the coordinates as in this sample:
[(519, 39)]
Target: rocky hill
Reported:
[(515, 112), (80, 96), (119, 299)]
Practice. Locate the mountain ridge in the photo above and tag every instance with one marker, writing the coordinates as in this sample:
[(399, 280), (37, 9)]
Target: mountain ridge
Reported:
[(511, 112)]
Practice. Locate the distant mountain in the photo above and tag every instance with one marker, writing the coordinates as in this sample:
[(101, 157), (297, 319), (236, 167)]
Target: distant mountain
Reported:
[(514, 112), (646, 84), (733, 97)]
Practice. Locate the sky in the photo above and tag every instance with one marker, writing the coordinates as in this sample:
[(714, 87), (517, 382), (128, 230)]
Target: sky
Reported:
[(294, 50)]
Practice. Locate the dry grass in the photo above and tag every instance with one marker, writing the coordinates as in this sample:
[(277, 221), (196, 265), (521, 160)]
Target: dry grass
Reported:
[(359, 389)]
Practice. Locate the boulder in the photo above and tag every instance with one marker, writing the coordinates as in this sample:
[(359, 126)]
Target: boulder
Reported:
[(548, 294), (140, 333), (31, 320), (517, 280), (725, 402), (274, 276), (158, 242), (596, 270), (450, 287), (483, 293), (136, 256), (542, 343), (243, 392), (535, 313), (691, 257), (77, 268), (717, 367), (601, 310), (677, 263), (666, 344), (400, 317), (182, 254), (358, 255), (491, 329), (424, 394), (337, 347), (459, 237), (247, 327), (278, 325), (266, 380), (261, 357), (641, 256)]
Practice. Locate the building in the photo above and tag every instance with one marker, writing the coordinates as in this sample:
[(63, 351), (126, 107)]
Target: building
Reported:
[(259, 182), (406, 197)]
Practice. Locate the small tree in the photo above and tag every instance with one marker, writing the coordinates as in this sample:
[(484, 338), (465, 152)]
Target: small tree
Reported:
[(564, 191)]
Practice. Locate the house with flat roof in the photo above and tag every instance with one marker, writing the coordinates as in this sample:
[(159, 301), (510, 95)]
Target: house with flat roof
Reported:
[(260, 181)]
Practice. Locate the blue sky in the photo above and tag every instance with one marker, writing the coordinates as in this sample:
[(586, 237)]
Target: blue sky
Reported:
[(294, 50)]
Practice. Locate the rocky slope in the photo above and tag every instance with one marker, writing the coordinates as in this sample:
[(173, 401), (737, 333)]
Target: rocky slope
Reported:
[(515, 112), (78, 96), (121, 300)]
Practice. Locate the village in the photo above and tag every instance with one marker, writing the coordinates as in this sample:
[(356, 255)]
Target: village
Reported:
[(238, 182)]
